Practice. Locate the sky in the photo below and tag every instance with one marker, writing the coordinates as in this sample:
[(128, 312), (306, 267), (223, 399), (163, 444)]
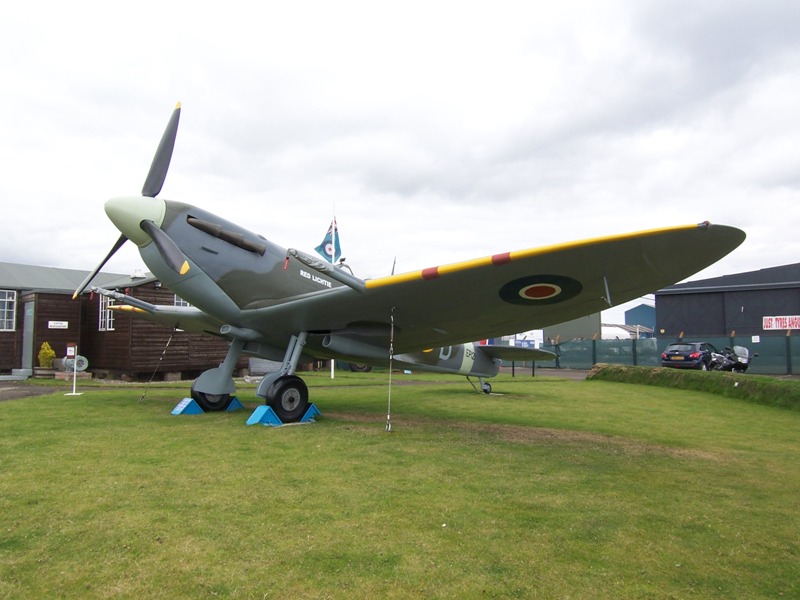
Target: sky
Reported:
[(435, 131)]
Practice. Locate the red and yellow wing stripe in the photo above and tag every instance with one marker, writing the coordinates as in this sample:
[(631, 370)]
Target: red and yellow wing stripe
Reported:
[(507, 257)]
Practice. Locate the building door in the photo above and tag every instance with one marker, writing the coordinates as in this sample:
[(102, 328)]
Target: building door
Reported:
[(27, 336)]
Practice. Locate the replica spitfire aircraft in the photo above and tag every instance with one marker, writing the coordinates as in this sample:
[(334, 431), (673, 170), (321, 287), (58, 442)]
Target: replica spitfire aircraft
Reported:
[(283, 304)]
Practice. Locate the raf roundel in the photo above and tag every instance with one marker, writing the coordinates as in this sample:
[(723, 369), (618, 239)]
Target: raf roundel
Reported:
[(540, 290)]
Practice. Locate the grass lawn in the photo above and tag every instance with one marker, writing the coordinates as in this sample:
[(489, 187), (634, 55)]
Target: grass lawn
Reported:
[(548, 489)]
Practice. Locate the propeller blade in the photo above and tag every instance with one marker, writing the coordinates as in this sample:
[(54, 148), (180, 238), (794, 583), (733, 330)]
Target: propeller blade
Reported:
[(168, 249), (158, 169), (122, 239)]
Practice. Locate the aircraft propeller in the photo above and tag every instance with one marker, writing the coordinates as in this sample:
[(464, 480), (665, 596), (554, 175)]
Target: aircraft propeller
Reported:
[(160, 165), (167, 248), (151, 188), (122, 239)]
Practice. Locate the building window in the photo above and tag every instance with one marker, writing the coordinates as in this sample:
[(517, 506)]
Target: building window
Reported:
[(106, 322), (8, 310), (180, 301)]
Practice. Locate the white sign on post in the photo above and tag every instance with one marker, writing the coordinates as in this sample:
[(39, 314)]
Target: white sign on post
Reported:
[(783, 322), (72, 352)]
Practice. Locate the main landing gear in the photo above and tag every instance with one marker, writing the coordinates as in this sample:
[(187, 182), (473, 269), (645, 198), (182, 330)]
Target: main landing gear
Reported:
[(214, 389), (486, 387), (284, 391), (288, 397)]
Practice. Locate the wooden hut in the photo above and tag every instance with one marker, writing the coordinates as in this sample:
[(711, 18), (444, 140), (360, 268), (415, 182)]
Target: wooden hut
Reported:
[(36, 306)]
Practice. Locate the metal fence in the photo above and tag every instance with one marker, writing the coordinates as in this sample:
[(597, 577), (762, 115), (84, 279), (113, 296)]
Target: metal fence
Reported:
[(776, 355)]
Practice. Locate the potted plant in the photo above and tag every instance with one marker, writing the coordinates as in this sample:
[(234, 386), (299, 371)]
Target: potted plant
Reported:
[(46, 357)]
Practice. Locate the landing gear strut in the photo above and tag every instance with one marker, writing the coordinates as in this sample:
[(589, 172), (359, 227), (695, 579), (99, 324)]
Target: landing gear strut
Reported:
[(284, 391), (214, 389), (486, 387)]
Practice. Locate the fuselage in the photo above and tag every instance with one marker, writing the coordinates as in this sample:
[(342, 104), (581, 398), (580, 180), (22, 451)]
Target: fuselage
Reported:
[(233, 273), (246, 267)]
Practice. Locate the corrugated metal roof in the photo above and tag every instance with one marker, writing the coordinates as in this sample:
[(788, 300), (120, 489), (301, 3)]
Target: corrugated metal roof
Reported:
[(15, 276), (784, 276)]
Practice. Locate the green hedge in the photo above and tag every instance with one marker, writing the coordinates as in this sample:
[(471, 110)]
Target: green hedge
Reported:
[(772, 391)]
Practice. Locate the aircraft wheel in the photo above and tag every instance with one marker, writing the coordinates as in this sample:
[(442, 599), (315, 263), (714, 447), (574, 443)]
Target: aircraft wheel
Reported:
[(486, 387), (288, 397), (211, 402)]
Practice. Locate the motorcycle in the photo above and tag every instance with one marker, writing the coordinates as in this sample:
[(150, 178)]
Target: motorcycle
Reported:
[(731, 359)]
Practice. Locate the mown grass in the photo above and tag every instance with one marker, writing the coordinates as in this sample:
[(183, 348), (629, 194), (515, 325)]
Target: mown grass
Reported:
[(553, 489)]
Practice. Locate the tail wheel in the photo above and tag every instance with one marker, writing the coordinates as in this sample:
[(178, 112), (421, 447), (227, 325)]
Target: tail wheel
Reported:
[(288, 397), (211, 402)]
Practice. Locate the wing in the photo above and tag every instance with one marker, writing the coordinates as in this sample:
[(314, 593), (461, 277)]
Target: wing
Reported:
[(509, 353), (504, 293), (180, 317)]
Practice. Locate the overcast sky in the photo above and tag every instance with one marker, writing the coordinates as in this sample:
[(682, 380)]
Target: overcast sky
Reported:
[(436, 131)]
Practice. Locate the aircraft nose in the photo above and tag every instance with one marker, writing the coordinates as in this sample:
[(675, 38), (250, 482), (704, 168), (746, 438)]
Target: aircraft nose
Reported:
[(127, 212)]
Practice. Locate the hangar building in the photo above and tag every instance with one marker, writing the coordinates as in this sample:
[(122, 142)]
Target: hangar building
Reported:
[(757, 303)]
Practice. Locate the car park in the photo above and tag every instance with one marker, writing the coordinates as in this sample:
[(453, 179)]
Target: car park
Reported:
[(688, 355)]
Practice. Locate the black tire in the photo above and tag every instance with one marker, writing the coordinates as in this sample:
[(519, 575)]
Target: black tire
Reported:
[(288, 397), (360, 368), (211, 402), (487, 388)]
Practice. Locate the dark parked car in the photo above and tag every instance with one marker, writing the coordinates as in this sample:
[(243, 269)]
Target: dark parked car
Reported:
[(688, 355)]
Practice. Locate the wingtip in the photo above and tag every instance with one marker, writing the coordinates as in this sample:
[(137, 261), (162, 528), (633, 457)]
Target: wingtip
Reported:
[(178, 106)]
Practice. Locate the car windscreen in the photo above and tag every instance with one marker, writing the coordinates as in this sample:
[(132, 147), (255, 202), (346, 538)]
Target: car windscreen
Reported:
[(679, 348)]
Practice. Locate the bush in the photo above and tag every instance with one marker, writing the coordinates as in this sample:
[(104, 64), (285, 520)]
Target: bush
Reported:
[(46, 356)]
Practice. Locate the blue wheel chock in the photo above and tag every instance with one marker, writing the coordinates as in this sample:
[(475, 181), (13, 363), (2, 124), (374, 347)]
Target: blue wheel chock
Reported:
[(312, 412), (187, 406), (267, 417), (234, 405)]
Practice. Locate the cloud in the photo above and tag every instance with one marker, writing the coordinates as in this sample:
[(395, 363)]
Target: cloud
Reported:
[(436, 132)]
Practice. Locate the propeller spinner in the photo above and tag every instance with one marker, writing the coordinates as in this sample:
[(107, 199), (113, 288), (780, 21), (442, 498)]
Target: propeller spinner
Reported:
[(133, 216)]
